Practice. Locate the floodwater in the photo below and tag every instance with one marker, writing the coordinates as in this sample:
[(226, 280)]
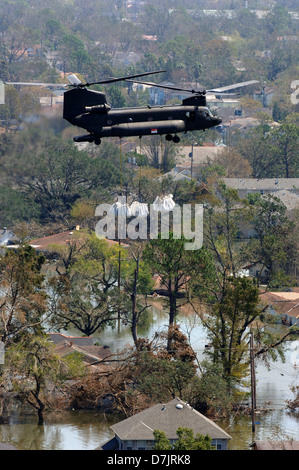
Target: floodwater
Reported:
[(86, 430)]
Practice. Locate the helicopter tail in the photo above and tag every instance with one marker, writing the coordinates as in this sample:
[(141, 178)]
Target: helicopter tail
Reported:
[(77, 100)]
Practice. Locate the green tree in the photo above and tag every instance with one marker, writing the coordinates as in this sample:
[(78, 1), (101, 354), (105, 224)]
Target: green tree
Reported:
[(15, 207), (161, 441), (85, 295), (285, 145), (186, 441), (23, 297), (32, 365), (176, 267), (115, 97), (272, 241), (257, 149), (232, 302), (55, 174), (166, 373), (17, 106)]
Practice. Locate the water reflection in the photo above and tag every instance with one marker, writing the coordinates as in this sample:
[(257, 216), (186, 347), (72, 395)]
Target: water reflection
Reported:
[(75, 430)]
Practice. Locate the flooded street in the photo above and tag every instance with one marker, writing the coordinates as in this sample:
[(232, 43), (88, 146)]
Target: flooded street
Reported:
[(86, 430)]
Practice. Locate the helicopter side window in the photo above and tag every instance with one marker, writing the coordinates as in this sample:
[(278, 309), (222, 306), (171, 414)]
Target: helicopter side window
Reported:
[(190, 115)]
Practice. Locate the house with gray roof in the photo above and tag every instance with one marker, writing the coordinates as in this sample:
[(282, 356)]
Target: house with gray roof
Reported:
[(136, 432), (246, 186), (7, 237)]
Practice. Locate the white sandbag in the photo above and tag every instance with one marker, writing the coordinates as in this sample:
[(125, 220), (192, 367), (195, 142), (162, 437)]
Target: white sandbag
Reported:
[(139, 209), (164, 203), (120, 209)]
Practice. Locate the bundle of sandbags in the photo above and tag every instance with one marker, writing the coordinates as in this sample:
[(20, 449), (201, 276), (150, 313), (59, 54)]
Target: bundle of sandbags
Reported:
[(164, 203), (139, 209)]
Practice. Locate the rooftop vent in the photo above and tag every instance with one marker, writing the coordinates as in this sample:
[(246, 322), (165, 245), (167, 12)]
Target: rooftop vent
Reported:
[(179, 406)]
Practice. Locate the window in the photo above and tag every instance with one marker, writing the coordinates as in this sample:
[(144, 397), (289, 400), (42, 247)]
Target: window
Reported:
[(129, 445)]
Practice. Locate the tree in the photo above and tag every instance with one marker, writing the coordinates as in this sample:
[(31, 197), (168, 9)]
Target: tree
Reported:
[(257, 149), (211, 394), (32, 365), (85, 295), (17, 106), (161, 441), (164, 373), (235, 165), (176, 267), (161, 157), (137, 282), (272, 241), (186, 441), (53, 173), (116, 97), (23, 298), (285, 142), (227, 325), (232, 302), (15, 207)]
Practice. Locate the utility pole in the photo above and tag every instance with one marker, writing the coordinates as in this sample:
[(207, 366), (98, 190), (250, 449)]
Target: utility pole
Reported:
[(253, 381)]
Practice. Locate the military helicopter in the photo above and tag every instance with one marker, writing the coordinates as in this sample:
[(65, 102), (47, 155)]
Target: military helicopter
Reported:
[(89, 109)]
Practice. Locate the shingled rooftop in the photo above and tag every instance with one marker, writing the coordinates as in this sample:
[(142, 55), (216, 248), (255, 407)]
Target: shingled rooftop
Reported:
[(136, 432)]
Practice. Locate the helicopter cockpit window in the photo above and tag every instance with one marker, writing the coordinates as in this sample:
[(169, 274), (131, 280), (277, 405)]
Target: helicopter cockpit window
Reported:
[(208, 113)]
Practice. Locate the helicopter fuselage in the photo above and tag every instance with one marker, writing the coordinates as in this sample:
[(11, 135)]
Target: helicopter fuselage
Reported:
[(96, 116)]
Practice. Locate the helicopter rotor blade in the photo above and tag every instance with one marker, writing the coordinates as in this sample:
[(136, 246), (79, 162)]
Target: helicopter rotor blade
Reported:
[(53, 85), (233, 87), (112, 80), (223, 91), (2, 95), (195, 92)]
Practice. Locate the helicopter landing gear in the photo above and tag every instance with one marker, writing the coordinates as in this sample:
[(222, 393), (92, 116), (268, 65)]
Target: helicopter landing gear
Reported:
[(97, 141), (175, 138)]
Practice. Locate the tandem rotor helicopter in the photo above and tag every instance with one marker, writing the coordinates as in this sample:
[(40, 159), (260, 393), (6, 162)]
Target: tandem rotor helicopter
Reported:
[(89, 110)]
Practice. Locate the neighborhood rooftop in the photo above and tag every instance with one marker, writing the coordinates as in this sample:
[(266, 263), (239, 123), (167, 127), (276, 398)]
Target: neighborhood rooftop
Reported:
[(262, 183), (169, 418)]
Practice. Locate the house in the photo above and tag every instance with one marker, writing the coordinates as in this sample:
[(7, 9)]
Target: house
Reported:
[(284, 189), (201, 153), (45, 244), (4, 446), (256, 270), (126, 59), (265, 97), (136, 432), (58, 338), (66, 345), (275, 445), (283, 305), (288, 198), (246, 186), (177, 175), (7, 238)]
